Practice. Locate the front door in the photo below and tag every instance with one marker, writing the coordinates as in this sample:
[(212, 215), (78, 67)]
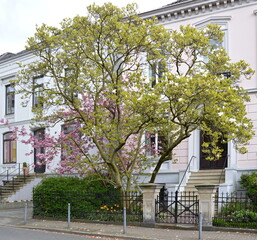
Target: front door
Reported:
[(218, 164), (39, 163)]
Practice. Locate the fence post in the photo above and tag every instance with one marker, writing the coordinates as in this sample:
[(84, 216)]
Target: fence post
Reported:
[(150, 193), (13, 184), (176, 207), (124, 220), (206, 203), (200, 225), (68, 215), (25, 212)]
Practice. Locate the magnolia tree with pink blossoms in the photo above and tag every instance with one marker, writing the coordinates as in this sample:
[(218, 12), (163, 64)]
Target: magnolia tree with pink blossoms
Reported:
[(97, 85)]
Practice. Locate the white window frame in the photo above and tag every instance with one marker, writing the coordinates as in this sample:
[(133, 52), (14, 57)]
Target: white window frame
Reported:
[(223, 22), (9, 99), (38, 84)]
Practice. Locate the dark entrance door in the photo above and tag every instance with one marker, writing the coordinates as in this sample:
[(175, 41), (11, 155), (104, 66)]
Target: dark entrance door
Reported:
[(218, 164), (39, 163)]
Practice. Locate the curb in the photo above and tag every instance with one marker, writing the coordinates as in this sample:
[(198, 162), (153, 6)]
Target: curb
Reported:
[(15, 205), (82, 233)]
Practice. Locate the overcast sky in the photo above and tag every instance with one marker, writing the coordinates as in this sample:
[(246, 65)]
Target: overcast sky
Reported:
[(18, 18)]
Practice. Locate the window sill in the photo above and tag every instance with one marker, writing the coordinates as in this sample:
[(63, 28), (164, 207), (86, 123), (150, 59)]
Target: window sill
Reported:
[(9, 116)]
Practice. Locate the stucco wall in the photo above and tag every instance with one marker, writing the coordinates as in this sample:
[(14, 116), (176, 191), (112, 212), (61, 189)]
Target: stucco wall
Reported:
[(249, 160)]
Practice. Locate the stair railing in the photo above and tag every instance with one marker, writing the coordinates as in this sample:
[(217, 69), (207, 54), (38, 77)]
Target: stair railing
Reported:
[(223, 168), (8, 176), (187, 170)]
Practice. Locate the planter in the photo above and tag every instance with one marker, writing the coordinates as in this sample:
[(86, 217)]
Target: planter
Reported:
[(25, 171)]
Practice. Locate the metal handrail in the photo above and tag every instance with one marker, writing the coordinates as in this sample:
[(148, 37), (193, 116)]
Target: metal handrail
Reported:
[(10, 175), (6, 173), (224, 164), (188, 165)]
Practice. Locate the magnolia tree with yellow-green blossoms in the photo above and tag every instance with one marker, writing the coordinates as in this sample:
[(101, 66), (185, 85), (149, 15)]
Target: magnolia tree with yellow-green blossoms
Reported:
[(96, 68)]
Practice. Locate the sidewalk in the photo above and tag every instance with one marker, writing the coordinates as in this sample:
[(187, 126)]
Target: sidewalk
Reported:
[(15, 217)]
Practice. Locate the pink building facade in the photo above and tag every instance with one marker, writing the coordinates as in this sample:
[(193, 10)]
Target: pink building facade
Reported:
[(238, 21)]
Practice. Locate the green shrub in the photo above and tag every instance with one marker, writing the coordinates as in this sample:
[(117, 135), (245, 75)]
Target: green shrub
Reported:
[(85, 195), (233, 223), (232, 206), (250, 183), (245, 216)]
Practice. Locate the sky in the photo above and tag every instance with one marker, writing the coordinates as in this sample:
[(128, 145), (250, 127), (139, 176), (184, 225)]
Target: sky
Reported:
[(18, 18)]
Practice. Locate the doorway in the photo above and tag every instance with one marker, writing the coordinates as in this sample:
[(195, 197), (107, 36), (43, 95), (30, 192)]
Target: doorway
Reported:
[(207, 164)]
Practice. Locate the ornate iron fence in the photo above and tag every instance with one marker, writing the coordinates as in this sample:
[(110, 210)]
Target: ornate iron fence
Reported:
[(89, 206), (235, 210), (177, 207)]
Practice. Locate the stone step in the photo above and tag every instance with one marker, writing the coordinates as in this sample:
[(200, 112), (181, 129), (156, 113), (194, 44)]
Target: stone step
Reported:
[(209, 171), (204, 177), (12, 186), (10, 189), (205, 180)]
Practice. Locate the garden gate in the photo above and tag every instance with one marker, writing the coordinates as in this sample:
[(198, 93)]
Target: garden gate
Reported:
[(176, 207)]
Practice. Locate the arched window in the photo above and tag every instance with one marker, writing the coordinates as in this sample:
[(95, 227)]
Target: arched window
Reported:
[(9, 148)]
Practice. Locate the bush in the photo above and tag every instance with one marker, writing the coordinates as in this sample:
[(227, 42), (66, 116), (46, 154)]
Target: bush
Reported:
[(245, 216), (250, 183), (86, 196), (235, 205), (220, 222)]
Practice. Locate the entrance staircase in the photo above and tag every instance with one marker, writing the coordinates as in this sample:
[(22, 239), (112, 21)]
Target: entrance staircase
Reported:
[(204, 177), (10, 187)]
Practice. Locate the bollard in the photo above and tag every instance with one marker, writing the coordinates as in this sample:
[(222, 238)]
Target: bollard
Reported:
[(124, 220), (25, 213), (68, 215), (200, 225)]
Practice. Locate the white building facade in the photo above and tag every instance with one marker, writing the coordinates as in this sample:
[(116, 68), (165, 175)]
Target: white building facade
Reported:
[(13, 153), (238, 21)]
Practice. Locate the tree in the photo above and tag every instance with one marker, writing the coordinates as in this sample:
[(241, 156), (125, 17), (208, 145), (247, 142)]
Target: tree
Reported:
[(96, 69)]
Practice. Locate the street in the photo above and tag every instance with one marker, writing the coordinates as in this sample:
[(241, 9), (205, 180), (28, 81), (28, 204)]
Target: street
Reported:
[(12, 233)]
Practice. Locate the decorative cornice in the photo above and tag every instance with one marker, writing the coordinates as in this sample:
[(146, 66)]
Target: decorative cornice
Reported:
[(186, 9)]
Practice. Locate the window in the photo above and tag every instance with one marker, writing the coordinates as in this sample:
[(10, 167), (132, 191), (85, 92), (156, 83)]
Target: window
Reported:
[(223, 23), (69, 90), (37, 92), (9, 148), (155, 144), (10, 96), (38, 161), (156, 72), (67, 129)]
